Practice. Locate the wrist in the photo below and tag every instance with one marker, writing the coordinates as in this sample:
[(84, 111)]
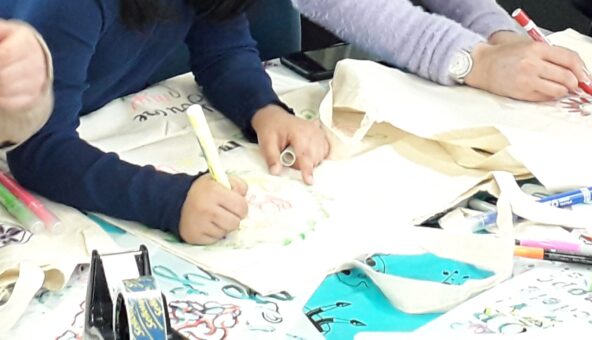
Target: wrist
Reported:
[(506, 37), (264, 115), (479, 70), (461, 64)]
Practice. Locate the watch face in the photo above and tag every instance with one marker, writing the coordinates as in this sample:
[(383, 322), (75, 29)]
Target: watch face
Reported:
[(460, 66)]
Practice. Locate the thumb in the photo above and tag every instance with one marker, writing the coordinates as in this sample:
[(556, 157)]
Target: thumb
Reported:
[(238, 185)]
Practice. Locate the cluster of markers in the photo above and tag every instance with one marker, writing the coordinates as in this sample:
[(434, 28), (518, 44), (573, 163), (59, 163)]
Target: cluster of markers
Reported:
[(553, 250), (25, 208)]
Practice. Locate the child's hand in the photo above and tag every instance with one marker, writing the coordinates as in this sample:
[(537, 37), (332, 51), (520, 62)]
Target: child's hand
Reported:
[(23, 67), (277, 129), (211, 211)]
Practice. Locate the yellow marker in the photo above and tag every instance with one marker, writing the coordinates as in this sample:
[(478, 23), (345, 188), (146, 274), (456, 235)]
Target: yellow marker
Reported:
[(206, 142)]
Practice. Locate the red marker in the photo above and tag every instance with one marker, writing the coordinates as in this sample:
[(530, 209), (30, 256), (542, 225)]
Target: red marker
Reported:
[(535, 33), (52, 223)]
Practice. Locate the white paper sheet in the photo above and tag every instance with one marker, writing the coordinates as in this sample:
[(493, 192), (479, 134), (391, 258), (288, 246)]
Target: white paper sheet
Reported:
[(548, 296)]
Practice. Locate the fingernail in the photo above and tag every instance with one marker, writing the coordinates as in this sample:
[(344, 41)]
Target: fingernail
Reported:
[(309, 179), (275, 169)]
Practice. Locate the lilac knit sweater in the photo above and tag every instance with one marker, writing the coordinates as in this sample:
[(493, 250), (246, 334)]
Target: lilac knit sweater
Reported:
[(405, 35)]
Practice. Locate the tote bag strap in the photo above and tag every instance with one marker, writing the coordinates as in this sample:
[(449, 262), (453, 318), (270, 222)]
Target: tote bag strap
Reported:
[(29, 282)]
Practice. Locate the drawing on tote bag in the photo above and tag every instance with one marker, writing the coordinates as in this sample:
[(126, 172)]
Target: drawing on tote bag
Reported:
[(13, 234), (280, 212), (581, 106)]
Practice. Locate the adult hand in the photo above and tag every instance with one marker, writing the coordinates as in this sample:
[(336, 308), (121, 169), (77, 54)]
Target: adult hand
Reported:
[(23, 67), (277, 129), (507, 37), (211, 211), (526, 70)]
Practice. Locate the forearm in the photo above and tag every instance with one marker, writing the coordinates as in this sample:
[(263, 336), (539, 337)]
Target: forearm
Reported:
[(64, 168), (395, 31), (232, 75), (484, 17), (238, 91)]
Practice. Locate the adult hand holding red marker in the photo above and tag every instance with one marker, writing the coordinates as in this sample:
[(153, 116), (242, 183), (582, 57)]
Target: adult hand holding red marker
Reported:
[(512, 66), (535, 33)]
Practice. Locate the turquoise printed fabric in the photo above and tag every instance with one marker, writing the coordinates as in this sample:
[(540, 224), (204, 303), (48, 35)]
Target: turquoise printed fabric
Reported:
[(349, 302)]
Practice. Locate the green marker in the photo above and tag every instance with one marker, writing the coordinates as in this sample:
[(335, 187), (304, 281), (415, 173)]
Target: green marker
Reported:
[(17, 209)]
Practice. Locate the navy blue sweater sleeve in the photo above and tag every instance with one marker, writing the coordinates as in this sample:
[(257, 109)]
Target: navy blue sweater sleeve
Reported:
[(56, 162), (226, 63)]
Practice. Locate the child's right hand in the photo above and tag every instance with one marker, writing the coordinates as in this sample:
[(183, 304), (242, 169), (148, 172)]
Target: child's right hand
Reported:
[(211, 211)]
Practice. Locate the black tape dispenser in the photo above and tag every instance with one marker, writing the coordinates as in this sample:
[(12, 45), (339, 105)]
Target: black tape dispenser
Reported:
[(122, 300)]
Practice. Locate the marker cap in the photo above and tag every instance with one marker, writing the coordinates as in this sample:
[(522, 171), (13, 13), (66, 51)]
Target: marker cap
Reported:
[(520, 16), (530, 252)]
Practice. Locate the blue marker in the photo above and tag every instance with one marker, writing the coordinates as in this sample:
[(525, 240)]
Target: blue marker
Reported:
[(562, 200), (570, 198)]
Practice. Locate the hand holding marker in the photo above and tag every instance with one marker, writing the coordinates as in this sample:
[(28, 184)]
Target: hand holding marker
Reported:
[(206, 142), (535, 33)]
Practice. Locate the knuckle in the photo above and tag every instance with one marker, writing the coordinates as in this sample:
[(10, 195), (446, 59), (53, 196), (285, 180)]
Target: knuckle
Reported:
[(559, 91), (570, 80), (212, 215), (522, 81), (574, 62), (554, 92), (526, 65), (538, 47)]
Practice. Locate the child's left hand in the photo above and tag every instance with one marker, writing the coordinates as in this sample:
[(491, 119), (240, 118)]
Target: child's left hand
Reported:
[(277, 129)]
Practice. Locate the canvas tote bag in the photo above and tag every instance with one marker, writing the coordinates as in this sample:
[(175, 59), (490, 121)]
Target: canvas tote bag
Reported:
[(29, 262)]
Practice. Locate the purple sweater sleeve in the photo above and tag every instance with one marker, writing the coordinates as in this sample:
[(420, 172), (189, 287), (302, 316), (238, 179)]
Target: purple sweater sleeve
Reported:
[(480, 16), (405, 35)]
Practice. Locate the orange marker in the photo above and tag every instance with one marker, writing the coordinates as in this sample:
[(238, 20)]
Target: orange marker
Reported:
[(551, 255)]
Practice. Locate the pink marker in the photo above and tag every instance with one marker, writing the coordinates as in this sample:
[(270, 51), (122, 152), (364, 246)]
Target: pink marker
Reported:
[(52, 223), (537, 35), (562, 246)]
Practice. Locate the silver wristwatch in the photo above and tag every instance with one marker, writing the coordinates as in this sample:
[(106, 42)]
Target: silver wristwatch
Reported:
[(460, 66)]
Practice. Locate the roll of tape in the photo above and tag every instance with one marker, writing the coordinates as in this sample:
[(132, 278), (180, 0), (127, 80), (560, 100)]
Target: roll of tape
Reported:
[(139, 313), (288, 156)]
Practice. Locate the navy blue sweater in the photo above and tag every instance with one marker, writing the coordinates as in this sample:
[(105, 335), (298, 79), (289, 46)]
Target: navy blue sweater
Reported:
[(97, 59)]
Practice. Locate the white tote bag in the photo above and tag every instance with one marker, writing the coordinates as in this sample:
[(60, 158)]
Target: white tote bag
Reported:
[(29, 261)]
